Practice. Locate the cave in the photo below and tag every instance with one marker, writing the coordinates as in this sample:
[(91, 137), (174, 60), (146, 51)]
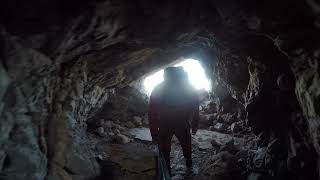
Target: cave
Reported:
[(74, 106), (195, 72)]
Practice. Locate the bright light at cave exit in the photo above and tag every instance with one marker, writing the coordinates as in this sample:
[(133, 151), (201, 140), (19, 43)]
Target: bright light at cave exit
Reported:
[(195, 72)]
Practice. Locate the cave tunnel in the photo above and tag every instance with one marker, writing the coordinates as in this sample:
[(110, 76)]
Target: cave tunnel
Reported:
[(74, 104), (195, 73)]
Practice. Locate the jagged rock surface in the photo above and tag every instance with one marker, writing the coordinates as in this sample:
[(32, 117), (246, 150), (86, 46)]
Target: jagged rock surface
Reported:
[(64, 66)]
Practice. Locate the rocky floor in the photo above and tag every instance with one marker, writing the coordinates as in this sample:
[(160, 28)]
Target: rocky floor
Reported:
[(215, 156)]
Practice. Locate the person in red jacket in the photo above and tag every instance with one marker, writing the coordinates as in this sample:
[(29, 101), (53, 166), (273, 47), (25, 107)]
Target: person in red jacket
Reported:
[(174, 110)]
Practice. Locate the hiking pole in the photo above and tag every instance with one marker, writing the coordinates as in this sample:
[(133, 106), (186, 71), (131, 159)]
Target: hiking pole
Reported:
[(162, 166)]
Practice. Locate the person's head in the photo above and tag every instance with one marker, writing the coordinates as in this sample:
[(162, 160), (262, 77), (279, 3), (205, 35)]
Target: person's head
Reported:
[(175, 75)]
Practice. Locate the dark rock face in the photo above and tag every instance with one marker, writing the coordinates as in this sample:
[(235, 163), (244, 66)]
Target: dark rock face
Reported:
[(41, 108), (64, 66)]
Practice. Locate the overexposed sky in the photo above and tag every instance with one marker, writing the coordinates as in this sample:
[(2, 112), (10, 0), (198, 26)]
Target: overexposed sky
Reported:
[(195, 72)]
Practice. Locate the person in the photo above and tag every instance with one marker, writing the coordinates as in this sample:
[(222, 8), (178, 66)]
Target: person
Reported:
[(174, 110)]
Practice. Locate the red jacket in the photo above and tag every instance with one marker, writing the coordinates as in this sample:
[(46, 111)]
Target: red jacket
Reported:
[(173, 107)]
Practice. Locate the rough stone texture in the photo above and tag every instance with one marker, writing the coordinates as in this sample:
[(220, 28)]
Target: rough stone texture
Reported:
[(216, 166), (122, 139), (308, 92), (20, 131), (125, 105), (133, 161), (40, 109), (62, 61)]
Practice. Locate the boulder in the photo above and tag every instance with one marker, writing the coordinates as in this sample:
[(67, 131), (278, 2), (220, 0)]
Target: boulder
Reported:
[(111, 134), (220, 127), (141, 134), (134, 161), (100, 131), (137, 120), (122, 139)]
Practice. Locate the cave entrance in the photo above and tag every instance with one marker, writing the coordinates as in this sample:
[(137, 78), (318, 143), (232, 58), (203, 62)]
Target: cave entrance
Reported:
[(194, 70)]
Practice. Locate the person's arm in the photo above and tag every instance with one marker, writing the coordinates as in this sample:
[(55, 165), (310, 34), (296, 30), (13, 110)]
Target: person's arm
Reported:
[(195, 118), (153, 116)]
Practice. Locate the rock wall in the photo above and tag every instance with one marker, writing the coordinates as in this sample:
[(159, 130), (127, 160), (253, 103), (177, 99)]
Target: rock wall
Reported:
[(277, 50), (62, 61), (42, 108)]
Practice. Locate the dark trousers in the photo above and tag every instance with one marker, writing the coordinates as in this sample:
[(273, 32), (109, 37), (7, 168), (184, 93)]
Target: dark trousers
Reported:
[(184, 137)]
